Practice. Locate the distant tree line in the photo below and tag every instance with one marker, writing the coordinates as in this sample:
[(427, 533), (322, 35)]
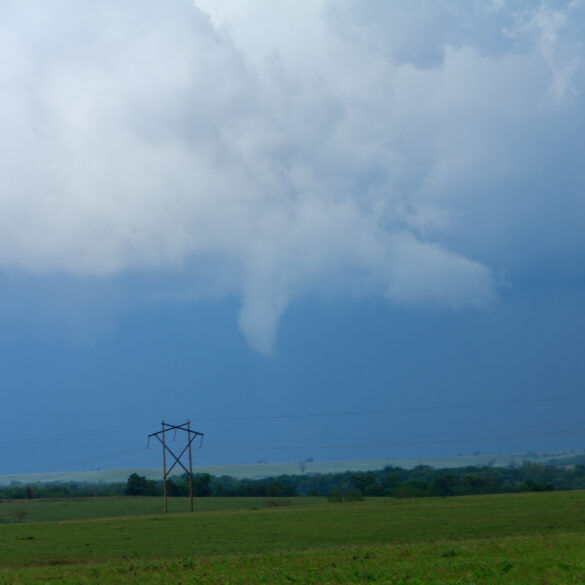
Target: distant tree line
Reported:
[(205, 485), (21, 491), (422, 481)]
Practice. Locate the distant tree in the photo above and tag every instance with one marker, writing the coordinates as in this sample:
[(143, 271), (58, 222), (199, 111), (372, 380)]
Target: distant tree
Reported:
[(364, 481), (138, 485), (390, 481), (177, 488), (415, 488), (443, 485), (202, 485)]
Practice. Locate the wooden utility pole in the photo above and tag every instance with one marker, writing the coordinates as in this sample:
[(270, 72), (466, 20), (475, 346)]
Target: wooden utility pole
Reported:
[(161, 437), (190, 468), (164, 452)]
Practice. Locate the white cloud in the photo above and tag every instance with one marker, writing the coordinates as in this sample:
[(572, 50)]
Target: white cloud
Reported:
[(548, 25), (286, 144)]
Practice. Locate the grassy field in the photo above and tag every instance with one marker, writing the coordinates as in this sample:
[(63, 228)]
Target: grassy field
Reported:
[(60, 509), (519, 539)]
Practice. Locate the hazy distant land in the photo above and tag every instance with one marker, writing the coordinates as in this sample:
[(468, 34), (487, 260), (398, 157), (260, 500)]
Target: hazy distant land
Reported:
[(262, 470)]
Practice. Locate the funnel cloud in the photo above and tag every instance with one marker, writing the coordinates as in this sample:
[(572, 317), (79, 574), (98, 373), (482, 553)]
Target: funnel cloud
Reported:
[(362, 149)]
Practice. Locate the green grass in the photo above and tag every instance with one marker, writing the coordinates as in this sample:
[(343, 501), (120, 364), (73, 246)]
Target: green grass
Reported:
[(519, 539), (87, 508), (513, 560)]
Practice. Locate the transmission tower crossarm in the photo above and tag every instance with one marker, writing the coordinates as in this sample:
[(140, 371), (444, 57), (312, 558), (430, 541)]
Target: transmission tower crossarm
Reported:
[(161, 437)]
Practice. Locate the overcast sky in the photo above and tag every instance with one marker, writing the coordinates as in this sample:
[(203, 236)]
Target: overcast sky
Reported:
[(330, 229)]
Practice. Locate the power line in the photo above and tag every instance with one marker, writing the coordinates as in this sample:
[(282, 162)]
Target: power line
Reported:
[(466, 434), (490, 435), (406, 443), (275, 444), (75, 435), (400, 410), (431, 408)]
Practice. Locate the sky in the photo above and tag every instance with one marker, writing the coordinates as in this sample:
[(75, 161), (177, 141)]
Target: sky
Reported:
[(315, 229)]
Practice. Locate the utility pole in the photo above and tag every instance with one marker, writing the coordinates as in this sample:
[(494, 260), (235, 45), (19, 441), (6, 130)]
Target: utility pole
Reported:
[(161, 437)]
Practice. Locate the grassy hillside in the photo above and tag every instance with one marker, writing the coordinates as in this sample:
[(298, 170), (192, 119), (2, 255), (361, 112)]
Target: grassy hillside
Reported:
[(521, 539)]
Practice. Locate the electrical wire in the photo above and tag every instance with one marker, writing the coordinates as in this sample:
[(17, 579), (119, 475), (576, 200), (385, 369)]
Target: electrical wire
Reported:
[(487, 438), (350, 413), (431, 408), (280, 444), (491, 435), (234, 443)]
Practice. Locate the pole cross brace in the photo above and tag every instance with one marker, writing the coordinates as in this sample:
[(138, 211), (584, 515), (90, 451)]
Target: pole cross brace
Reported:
[(191, 436), (175, 457)]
